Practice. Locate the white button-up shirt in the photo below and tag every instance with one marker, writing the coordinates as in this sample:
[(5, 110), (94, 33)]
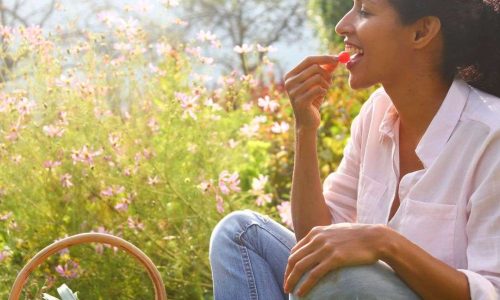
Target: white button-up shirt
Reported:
[(451, 208)]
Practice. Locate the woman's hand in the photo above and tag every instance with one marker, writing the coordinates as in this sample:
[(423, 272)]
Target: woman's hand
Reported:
[(306, 86), (327, 248)]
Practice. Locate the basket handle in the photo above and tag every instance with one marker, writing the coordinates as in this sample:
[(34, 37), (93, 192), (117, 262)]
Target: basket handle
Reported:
[(84, 238)]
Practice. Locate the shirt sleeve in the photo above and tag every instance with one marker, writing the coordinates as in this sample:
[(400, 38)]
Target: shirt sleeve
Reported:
[(340, 188), (483, 230)]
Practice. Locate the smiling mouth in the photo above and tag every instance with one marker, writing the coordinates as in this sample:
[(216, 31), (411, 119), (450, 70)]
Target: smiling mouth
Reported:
[(354, 51)]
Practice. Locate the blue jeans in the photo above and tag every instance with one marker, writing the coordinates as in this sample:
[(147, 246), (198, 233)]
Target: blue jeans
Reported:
[(248, 257)]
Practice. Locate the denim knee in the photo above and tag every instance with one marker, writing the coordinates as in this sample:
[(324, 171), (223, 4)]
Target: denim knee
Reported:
[(377, 281), (229, 227)]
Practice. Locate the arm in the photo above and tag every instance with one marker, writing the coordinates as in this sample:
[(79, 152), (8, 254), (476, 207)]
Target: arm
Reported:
[(426, 275), (363, 244), (308, 204), (307, 85)]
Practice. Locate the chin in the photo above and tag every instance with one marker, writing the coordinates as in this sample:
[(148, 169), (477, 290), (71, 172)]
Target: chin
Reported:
[(357, 83)]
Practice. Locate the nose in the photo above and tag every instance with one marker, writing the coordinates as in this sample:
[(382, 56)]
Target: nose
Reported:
[(345, 25)]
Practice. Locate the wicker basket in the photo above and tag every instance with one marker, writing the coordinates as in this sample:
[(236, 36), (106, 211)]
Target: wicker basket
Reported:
[(84, 238)]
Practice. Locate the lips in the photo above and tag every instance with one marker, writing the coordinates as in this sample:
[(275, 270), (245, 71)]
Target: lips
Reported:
[(356, 53), (354, 50)]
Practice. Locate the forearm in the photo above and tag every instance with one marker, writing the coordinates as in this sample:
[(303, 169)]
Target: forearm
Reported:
[(426, 275), (308, 204)]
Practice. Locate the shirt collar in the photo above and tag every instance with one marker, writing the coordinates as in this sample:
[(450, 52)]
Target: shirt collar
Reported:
[(444, 123), (388, 124), (442, 126)]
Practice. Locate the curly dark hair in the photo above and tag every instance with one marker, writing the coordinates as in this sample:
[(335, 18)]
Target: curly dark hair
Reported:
[(471, 34)]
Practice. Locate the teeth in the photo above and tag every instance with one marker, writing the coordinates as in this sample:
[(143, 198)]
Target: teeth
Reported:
[(354, 50)]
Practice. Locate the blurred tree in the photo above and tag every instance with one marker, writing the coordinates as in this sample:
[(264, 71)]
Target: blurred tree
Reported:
[(326, 14), (238, 22), (20, 12)]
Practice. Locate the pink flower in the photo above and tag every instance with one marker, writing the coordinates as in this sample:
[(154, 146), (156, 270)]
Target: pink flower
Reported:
[(135, 224), (63, 118), (267, 104), (285, 211), (228, 182), (4, 254), (122, 206), (99, 248), (66, 181), (13, 133), (84, 155), (114, 140), (220, 203), (189, 104), (153, 125), (148, 153), (6, 216), (33, 35), (263, 199), (65, 250), (6, 33), (258, 185), (53, 131), (70, 270), (50, 165), (205, 186), (112, 191), (16, 159), (25, 106)]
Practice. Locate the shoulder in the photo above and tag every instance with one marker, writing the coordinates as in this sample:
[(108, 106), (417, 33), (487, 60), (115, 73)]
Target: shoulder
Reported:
[(484, 108)]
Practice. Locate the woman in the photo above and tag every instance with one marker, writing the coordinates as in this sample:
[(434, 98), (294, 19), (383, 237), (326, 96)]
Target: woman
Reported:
[(413, 209)]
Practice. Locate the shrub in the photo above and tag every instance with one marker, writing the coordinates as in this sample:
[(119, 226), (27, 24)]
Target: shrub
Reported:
[(136, 144)]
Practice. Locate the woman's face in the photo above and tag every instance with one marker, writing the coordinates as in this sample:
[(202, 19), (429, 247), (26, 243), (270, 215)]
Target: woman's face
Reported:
[(373, 26)]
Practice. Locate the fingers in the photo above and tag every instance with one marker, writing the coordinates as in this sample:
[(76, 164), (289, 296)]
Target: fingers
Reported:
[(315, 80), (292, 81), (313, 277), (297, 267), (325, 60), (305, 247)]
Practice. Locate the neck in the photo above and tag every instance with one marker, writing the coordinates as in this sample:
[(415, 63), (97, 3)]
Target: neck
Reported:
[(417, 100)]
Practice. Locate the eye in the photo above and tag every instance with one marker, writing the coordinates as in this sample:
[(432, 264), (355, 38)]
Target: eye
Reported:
[(363, 13)]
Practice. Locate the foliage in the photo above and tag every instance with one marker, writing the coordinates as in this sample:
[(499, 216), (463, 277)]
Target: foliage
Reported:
[(139, 146), (326, 14)]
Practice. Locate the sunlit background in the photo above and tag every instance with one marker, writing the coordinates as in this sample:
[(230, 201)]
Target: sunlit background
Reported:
[(151, 120)]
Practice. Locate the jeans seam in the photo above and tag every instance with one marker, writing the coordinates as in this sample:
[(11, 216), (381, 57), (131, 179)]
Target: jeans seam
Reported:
[(247, 264)]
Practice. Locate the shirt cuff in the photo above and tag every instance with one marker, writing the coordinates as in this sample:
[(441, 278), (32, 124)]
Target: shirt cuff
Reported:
[(480, 287)]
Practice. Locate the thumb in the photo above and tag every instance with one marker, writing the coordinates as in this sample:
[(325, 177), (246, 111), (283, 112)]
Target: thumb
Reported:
[(331, 66)]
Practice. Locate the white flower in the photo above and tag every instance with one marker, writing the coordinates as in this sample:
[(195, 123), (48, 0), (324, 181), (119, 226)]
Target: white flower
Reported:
[(259, 183), (280, 127), (243, 49), (170, 3), (267, 104)]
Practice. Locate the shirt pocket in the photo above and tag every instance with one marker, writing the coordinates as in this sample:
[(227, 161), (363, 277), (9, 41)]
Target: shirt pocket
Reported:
[(431, 226), (370, 192)]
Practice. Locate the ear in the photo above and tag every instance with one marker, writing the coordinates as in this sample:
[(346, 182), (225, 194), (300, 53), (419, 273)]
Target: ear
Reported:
[(425, 30)]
